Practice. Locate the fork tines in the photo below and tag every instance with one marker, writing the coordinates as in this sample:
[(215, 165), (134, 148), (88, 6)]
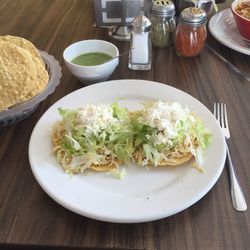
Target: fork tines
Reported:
[(220, 111)]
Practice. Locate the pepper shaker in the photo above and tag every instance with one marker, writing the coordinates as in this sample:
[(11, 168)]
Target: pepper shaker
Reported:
[(191, 32), (140, 44), (162, 17)]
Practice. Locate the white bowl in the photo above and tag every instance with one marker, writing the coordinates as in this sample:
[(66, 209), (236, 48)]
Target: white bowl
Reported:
[(91, 74)]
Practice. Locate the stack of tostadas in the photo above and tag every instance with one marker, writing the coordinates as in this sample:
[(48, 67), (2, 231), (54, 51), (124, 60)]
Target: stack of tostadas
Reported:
[(22, 71)]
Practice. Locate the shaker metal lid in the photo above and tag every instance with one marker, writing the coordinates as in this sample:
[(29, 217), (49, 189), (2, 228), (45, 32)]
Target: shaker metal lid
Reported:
[(193, 15), (141, 24), (163, 8)]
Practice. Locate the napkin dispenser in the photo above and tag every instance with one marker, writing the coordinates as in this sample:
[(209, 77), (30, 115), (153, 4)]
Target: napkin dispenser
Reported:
[(118, 14)]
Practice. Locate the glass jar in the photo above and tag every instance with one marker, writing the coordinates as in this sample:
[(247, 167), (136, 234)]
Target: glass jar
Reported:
[(162, 17), (140, 44), (191, 32)]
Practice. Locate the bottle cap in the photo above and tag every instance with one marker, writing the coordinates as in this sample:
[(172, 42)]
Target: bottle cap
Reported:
[(163, 8), (141, 24), (193, 16)]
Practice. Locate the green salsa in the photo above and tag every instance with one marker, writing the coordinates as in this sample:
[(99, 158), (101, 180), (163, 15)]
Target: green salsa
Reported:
[(91, 59)]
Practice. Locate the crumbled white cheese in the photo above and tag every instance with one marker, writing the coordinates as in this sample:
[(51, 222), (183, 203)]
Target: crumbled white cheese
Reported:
[(96, 117), (165, 117)]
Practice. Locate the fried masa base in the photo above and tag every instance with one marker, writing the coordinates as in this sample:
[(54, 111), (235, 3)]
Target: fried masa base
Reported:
[(175, 161), (104, 167)]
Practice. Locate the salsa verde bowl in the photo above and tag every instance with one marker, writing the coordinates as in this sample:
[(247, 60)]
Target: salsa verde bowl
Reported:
[(91, 73)]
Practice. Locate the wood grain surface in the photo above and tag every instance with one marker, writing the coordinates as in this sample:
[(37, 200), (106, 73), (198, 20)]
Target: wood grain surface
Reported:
[(29, 217)]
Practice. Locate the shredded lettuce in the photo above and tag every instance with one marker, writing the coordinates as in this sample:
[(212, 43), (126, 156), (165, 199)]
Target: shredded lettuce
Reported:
[(85, 148), (117, 140), (191, 136)]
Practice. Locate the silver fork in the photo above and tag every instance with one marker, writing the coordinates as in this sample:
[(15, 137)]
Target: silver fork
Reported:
[(238, 199)]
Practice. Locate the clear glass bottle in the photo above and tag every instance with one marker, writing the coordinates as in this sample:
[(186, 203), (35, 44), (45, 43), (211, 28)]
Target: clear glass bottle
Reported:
[(191, 32), (162, 17), (140, 44)]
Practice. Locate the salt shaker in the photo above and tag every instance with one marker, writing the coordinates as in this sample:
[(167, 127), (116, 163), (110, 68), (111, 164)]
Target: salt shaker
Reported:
[(162, 17), (191, 32), (140, 44)]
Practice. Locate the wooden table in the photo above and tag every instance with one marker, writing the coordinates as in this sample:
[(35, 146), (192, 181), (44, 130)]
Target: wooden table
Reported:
[(29, 217)]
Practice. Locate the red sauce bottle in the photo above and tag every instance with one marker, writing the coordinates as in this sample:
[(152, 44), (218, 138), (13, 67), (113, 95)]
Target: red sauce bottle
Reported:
[(191, 32)]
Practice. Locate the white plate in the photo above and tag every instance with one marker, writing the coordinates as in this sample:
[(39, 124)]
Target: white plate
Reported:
[(223, 27), (143, 195)]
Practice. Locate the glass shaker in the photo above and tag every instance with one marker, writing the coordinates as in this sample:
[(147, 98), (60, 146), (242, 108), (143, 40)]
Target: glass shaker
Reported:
[(191, 32), (163, 23), (140, 44)]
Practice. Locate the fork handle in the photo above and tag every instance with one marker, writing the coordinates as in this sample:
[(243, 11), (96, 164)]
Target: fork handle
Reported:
[(238, 199)]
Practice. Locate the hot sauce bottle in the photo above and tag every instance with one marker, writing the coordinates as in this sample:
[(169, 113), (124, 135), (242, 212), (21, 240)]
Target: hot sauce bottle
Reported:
[(191, 32)]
